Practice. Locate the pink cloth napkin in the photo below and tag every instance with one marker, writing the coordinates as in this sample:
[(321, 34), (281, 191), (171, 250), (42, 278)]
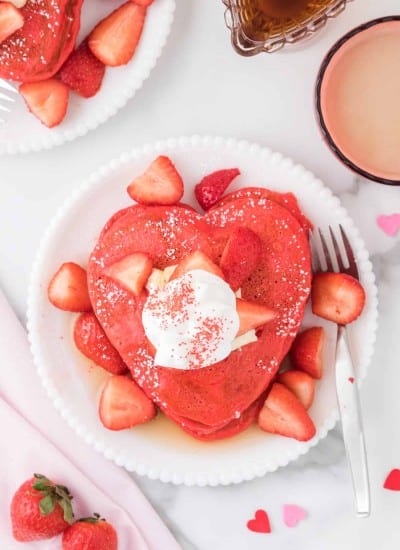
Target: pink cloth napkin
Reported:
[(35, 439)]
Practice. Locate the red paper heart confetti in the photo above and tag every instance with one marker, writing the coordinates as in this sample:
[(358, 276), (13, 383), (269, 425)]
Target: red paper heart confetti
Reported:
[(260, 523), (389, 224), (351, 379), (292, 514), (392, 482)]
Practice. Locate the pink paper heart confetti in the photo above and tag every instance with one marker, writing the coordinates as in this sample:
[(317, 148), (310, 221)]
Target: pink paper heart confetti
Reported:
[(292, 514), (389, 224)]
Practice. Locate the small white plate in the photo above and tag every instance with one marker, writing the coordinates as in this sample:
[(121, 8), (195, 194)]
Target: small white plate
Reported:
[(160, 449), (22, 132)]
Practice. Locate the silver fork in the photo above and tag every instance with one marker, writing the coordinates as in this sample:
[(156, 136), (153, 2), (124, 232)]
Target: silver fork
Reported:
[(6, 100), (346, 377)]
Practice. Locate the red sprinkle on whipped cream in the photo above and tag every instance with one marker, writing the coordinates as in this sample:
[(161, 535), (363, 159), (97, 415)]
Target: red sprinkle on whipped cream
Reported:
[(192, 321)]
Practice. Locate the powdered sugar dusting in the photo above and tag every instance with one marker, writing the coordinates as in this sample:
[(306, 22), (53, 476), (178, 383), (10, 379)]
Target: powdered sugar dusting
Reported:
[(40, 42)]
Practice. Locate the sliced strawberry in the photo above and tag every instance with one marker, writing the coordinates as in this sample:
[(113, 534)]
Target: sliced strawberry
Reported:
[(283, 414), (160, 184), (47, 100), (114, 40), (123, 404), (68, 289), (300, 384), (337, 297), (92, 341), (252, 315), (144, 3), (196, 260), (83, 72), (306, 351), (11, 19), (241, 256), (212, 187), (131, 272)]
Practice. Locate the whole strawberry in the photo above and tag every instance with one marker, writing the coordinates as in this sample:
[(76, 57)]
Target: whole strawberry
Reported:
[(40, 509), (91, 533)]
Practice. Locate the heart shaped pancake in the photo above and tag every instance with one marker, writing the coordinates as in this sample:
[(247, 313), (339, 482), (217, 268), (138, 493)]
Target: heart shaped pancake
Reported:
[(222, 399), (40, 47)]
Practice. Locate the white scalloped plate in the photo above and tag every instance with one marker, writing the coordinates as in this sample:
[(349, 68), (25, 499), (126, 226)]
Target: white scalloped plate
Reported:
[(160, 449), (23, 133)]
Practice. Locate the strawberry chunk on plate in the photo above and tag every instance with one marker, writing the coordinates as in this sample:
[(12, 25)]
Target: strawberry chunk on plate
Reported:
[(92, 341), (83, 72), (131, 272), (252, 315), (306, 351), (212, 187), (114, 40), (123, 404), (241, 256), (68, 289), (47, 100), (283, 414), (196, 260), (160, 184), (301, 384), (11, 19), (337, 297)]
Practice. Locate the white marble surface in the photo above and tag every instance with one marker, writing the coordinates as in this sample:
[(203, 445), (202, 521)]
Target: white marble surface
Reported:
[(201, 86)]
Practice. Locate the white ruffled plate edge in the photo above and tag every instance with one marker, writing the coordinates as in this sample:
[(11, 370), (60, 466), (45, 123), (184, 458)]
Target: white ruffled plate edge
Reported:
[(248, 471), (116, 101)]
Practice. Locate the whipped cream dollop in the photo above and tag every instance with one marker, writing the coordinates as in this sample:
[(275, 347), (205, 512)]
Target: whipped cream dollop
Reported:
[(192, 321)]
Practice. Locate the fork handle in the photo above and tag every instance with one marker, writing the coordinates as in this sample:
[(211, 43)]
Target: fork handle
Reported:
[(350, 413)]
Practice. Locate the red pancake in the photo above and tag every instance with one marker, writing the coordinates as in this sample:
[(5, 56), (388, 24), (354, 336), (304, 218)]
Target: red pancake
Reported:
[(220, 400), (40, 47), (288, 200)]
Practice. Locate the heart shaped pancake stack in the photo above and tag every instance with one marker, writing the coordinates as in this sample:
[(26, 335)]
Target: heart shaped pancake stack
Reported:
[(37, 50), (220, 400)]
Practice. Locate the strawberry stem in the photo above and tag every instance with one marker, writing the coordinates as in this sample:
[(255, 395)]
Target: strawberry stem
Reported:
[(52, 495), (93, 519)]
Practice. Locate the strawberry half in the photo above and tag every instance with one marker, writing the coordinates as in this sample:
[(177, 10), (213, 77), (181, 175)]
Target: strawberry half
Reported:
[(283, 414), (306, 351), (92, 341), (47, 100), (114, 40), (252, 315), (241, 256), (212, 187), (131, 272), (160, 184), (196, 260), (123, 404), (11, 19), (300, 384), (83, 72), (68, 289), (337, 297)]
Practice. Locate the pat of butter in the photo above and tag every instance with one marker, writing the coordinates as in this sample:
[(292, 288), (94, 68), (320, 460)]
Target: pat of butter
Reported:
[(156, 280), (246, 338)]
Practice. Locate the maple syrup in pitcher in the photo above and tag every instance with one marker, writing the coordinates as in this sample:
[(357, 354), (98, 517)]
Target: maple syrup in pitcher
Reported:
[(262, 18)]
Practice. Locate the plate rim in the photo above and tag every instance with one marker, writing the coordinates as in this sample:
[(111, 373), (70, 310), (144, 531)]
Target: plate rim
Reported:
[(165, 474), (49, 141)]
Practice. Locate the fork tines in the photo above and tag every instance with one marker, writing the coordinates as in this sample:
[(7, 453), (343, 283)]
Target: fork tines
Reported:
[(333, 251), (4, 97)]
